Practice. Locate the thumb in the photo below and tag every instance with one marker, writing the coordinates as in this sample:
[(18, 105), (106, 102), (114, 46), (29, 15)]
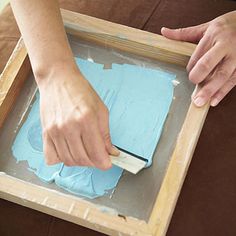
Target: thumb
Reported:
[(190, 34), (104, 125), (112, 150)]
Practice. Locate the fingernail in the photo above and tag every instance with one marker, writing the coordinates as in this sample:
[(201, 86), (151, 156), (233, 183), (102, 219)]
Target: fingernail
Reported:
[(115, 151), (214, 102), (199, 101)]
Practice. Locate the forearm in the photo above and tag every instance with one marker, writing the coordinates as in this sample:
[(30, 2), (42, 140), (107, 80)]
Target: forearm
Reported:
[(42, 29), (74, 120)]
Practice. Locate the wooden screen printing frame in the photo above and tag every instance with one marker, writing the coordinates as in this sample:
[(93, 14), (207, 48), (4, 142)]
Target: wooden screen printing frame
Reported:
[(72, 208)]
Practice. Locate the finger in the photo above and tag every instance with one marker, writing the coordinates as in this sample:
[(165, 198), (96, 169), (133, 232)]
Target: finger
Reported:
[(189, 34), (200, 85), (206, 63), (104, 128), (220, 76), (203, 46), (112, 150), (49, 150), (62, 148), (95, 147), (223, 91), (77, 150)]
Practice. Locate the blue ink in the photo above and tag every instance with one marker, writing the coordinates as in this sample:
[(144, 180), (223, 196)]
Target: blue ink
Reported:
[(36, 141), (30, 151), (86, 180), (138, 100)]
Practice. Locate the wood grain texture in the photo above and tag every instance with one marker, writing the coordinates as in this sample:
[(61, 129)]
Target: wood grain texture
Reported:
[(12, 79), (127, 39), (177, 169), (9, 35)]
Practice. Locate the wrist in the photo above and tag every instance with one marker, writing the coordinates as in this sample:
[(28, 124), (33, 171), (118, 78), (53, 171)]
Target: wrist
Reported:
[(56, 72)]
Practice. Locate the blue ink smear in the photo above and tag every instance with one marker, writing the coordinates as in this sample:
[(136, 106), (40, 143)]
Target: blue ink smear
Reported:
[(36, 141), (138, 100), (30, 150)]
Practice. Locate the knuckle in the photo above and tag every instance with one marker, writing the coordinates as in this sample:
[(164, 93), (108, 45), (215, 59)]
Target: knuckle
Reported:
[(59, 127), (193, 78), (217, 27), (63, 126), (195, 74), (222, 74), (207, 92), (85, 117), (220, 22), (52, 130), (204, 64)]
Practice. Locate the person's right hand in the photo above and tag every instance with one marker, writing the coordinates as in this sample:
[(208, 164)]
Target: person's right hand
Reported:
[(75, 122), (213, 62)]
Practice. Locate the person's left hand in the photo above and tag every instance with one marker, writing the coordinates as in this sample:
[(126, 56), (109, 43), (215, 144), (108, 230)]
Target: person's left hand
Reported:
[(213, 63)]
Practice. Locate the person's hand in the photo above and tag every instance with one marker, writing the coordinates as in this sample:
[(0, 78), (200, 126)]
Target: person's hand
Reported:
[(213, 63), (75, 121)]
